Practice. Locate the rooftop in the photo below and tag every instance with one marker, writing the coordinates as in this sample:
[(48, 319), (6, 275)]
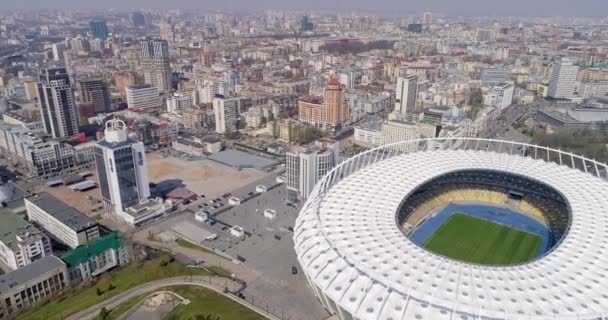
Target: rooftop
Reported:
[(240, 159), (12, 225), (83, 253), (29, 272), (69, 216)]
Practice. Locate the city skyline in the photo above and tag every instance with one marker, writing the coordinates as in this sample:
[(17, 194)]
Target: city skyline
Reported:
[(542, 8)]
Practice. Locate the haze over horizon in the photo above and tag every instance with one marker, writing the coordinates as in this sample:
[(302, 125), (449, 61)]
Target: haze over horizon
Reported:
[(596, 8)]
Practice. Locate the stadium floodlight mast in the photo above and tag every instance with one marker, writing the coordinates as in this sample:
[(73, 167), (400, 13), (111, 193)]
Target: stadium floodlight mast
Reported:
[(360, 265)]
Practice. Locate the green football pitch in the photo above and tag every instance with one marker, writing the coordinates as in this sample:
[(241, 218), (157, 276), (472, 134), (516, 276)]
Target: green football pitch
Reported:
[(475, 240)]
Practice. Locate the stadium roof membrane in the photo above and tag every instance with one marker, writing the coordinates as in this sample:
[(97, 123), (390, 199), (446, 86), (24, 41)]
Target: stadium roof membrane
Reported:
[(361, 266)]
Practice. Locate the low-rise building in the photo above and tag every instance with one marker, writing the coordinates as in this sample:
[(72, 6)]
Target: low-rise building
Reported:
[(197, 146), (20, 242), (15, 118), (100, 255), (31, 285), (61, 222), (369, 133), (398, 131)]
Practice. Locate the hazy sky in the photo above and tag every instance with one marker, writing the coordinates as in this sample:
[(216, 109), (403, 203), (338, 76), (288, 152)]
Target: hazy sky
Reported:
[(394, 7)]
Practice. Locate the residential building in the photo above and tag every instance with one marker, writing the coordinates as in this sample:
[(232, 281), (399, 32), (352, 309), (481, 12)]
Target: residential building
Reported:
[(100, 255), (96, 93), (122, 80), (167, 31), (20, 242), (123, 175), (500, 96), (99, 28), (211, 88), (24, 120), (198, 118), (144, 97), (32, 285), (563, 79), (226, 113), (327, 112), (180, 101), (155, 64), (306, 165), (405, 98), (31, 88), (253, 117), (38, 155), (56, 102), (60, 221), (427, 18), (58, 49)]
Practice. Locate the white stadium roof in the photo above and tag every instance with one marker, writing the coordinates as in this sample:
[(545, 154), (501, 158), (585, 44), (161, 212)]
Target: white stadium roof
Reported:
[(361, 266)]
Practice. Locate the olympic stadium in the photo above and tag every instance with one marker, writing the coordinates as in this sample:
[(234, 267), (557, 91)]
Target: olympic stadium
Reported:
[(458, 228)]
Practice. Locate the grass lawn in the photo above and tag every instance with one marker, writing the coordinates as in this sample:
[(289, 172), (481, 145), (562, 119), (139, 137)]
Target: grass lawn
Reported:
[(122, 280), (189, 245), (206, 302), (475, 240)]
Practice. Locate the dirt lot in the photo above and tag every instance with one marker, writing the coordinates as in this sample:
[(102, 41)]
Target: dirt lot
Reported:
[(200, 176)]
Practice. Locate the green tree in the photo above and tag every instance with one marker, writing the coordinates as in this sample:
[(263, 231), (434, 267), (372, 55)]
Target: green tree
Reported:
[(103, 314)]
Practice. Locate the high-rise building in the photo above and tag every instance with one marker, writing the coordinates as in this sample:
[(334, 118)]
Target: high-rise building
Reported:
[(58, 49), (138, 20), (327, 112), (333, 101), (501, 96), (414, 27), (563, 79), (167, 31), (155, 64), (406, 92), (31, 88), (306, 25), (96, 93), (56, 102), (99, 28), (226, 111), (427, 18), (143, 96), (306, 165), (121, 168), (486, 34)]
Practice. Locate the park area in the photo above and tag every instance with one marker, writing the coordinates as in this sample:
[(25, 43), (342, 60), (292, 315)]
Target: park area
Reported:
[(469, 239), (110, 285)]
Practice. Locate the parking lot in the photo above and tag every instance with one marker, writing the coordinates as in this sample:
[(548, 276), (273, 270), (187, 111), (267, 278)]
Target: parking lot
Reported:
[(266, 249)]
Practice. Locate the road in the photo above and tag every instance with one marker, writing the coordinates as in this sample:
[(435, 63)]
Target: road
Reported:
[(212, 283)]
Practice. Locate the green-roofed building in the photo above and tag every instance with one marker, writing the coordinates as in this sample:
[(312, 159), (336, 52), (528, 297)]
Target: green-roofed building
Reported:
[(98, 256), (21, 243)]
